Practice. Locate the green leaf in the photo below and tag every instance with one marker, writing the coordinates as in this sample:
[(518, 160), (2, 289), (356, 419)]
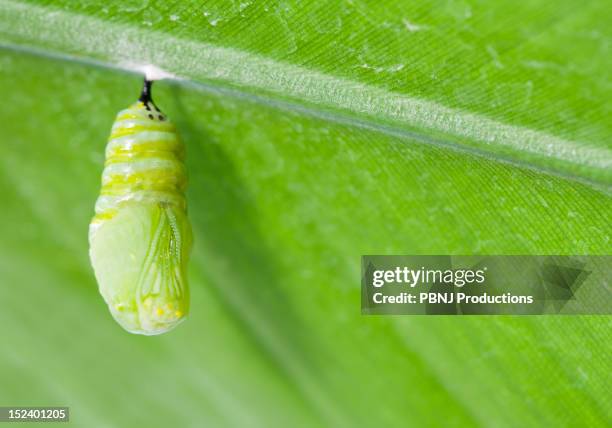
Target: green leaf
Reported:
[(316, 132)]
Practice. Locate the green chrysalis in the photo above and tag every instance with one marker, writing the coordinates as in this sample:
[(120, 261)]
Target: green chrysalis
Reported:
[(140, 237)]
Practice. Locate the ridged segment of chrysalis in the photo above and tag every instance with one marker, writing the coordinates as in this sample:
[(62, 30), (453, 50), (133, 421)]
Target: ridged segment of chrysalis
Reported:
[(140, 237)]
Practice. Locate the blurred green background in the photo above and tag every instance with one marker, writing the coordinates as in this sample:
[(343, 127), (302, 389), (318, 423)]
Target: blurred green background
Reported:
[(287, 191)]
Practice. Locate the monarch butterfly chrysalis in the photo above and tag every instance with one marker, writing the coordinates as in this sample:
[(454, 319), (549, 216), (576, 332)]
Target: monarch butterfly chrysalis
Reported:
[(140, 237)]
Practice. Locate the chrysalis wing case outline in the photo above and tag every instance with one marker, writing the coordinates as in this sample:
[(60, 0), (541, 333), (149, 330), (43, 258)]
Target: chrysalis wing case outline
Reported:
[(140, 237)]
